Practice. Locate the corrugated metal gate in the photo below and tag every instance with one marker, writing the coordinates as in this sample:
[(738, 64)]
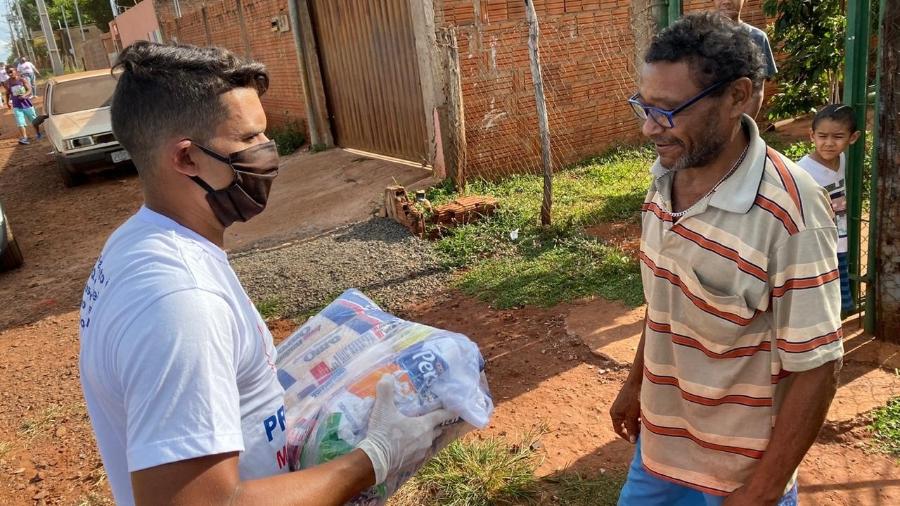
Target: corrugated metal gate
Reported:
[(368, 56)]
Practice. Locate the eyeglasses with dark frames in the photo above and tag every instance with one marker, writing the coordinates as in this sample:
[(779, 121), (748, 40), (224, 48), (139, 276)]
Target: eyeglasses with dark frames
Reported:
[(666, 118)]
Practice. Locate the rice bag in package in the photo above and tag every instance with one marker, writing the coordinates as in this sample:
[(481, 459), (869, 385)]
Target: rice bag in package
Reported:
[(330, 366)]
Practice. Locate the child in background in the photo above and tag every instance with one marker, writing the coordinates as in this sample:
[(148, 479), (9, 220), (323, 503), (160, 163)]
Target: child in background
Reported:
[(833, 131)]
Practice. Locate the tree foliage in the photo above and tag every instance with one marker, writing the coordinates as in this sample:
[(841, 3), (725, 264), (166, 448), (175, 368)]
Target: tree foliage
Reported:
[(92, 12), (812, 33)]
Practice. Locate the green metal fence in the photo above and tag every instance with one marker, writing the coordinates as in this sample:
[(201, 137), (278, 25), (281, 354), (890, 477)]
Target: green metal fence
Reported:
[(861, 201), (861, 204)]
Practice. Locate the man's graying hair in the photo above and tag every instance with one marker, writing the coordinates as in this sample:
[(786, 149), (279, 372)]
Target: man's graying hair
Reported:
[(167, 91), (715, 48)]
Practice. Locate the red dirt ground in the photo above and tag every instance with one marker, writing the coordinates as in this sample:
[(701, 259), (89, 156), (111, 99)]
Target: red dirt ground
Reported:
[(539, 374)]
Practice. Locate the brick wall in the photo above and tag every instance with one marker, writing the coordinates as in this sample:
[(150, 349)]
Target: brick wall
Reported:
[(587, 52), (751, 13), (222, 27), (588, 55)]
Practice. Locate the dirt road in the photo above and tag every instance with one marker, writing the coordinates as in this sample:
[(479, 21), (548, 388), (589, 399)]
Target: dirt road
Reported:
[(47, 450)]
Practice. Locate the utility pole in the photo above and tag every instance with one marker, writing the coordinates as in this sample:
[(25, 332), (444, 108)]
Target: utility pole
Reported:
[(12, 33), (47, 28), (68, 33), (26, 32), (78, 15)]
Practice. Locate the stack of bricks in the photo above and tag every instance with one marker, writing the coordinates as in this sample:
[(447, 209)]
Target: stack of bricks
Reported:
[(218, 23), (464, 210), (400, 208)]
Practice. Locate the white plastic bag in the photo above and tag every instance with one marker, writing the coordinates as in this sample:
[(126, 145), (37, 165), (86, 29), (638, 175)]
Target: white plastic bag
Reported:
[(330, 366)]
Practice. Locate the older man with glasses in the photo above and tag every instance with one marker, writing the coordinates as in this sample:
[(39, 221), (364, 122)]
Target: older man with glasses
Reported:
[(738, 361)]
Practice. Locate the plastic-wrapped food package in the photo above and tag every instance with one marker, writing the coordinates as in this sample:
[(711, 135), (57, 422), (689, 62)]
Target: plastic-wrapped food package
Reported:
[(330, 366)]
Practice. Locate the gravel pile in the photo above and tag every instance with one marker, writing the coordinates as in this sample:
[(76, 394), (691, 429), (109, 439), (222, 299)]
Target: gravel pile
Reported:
[(378, 257)]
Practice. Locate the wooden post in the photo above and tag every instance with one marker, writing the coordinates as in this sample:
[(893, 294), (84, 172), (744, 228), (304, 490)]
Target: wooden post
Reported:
[(543, 125), (248, 49), (887, 223), (457, 119), (205, 15)]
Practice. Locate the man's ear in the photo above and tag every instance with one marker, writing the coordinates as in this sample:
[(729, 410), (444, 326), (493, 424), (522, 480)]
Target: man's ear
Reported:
[(179, 156), (812, 135), (855, 137), (741, 95)]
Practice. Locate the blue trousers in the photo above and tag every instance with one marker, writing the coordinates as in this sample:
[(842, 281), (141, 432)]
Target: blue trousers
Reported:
[(843, 269), (643, 489)]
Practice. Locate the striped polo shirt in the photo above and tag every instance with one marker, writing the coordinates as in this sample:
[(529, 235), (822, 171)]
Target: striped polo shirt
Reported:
[(742, 290)]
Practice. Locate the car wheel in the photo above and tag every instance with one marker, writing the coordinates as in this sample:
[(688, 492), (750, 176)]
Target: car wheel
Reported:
[(69, 178), (11, 257)]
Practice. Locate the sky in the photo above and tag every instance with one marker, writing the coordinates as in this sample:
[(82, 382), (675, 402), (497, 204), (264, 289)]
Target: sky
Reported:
[(5, 39)]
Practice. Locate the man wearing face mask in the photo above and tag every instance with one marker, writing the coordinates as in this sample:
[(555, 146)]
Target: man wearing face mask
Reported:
[(177, 366)]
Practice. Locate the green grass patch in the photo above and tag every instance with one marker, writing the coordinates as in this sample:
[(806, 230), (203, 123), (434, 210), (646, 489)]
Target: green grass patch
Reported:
[(577, 490), (548, 265), (289, 137), (269, 307), (565, 271), (886, 425), (476, 473)]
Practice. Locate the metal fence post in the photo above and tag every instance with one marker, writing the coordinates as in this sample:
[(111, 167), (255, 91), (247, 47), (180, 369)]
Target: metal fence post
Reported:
[(676, 9), (855, 81), (662, 19)]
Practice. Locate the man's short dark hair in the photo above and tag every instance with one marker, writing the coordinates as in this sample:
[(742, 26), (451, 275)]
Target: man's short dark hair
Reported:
[(839, 113), (715, 48), (168, 90)]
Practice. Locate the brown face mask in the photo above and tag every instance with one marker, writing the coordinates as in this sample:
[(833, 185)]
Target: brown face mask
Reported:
[(254, 169)]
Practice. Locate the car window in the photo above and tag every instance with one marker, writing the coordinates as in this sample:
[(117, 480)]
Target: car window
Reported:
[(82, 94)]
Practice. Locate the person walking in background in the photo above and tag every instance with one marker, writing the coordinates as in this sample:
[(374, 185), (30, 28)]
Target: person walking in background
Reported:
[(29, 71), (833, 131), (18, 97), (731, 9), (4, 77), (742, 342)]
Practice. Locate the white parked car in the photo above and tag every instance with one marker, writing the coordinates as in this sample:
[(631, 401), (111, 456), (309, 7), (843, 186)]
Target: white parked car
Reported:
[(77, 122)]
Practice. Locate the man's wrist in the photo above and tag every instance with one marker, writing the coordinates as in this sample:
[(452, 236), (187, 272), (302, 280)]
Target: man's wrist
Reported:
[(767, 491), (635, 377), (375, 453)]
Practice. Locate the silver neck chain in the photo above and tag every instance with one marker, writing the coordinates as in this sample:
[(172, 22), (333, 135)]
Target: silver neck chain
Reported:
[(715, 187)]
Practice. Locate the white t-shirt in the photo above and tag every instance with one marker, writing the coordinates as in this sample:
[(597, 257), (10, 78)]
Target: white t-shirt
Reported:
[(176, 362), (834, 184), (27, 68)]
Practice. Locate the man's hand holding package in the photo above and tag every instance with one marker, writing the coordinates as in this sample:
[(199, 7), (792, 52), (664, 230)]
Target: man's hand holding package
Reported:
[(393, 438)]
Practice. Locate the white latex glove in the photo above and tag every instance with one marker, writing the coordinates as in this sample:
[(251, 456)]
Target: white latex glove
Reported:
[(394, 439)]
